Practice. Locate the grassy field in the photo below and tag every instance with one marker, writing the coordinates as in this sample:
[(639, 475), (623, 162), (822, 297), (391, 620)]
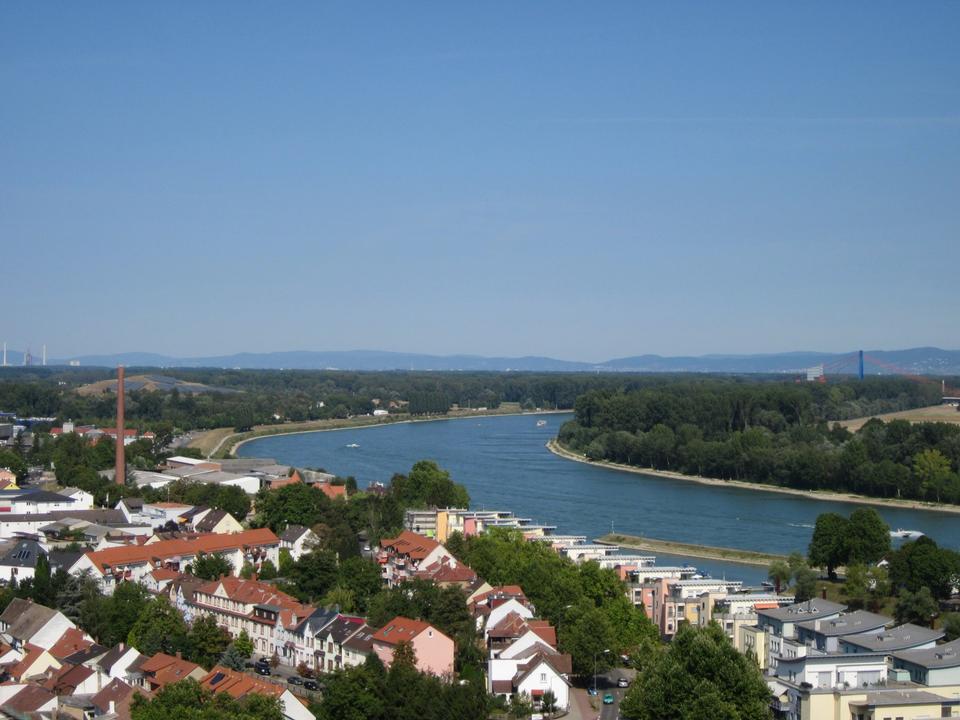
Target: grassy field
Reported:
[(747, 557), (209, 441), (934, 413)]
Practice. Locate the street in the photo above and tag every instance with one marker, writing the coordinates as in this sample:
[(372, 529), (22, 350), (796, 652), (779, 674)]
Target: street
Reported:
[(581, 707)]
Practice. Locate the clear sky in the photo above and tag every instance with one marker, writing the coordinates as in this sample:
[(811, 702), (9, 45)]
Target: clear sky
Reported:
[(580, 180)]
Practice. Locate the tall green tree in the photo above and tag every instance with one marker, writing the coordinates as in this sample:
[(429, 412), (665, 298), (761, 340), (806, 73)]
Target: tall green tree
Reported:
[(700, 675), (779, 573), (186, 699), (206, 641), (867, 536), (828, 547), (210, 566), (919, 608), (159, 628)]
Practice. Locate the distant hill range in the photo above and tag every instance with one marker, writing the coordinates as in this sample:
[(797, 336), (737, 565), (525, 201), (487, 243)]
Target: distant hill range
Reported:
[(922, 361)]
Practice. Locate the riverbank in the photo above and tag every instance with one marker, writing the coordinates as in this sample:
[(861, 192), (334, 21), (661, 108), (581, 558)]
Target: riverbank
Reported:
[(706, 552), (227, 444), (555, 447)]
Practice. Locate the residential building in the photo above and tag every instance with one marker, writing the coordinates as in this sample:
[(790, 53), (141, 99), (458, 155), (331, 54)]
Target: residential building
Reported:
[(31, 501), (20, 700), (298, 540), (297, 642), (779, 623), (358, 646), (19, 563), (82, 499), (434, 650), (902, 637), (534, 673), (331, 638), (934, 667), (134, 562), (24, 621), (219, 522), (825, 635), (833, 670), (404, 556), (161, 670), (238, 685), (252, 606)]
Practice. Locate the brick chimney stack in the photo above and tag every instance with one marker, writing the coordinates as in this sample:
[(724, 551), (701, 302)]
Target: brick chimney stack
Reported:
[(120, 472)]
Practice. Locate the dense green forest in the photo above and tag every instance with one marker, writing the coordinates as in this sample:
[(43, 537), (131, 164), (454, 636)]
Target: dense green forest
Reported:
[(251, 397), (775, 433)]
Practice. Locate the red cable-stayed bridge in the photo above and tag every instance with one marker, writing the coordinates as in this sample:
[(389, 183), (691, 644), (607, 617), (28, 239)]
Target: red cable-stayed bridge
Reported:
[(856, 361)]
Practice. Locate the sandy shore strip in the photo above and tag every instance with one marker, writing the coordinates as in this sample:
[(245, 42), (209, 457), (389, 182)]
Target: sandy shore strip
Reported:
[(554, 447), (238, 439), (706, 552)]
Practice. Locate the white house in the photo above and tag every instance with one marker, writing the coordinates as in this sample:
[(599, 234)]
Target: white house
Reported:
[(24, 622), (298, 540), (134, 562), (834, 670), (35, 502), (82, 499), (504, 610), (533, 673), (19, 563)]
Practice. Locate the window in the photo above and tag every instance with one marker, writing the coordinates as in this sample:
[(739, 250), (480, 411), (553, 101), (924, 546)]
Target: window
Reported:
[(543, 677)]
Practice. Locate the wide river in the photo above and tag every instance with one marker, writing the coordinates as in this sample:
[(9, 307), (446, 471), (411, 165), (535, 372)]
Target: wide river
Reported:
[(504, 464)]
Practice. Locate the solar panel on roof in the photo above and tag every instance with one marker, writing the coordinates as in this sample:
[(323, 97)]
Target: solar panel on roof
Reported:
[(217, 678)]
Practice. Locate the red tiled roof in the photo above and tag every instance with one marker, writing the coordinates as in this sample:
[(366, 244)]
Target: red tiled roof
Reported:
[(212, 543), (283, 482), (29, 700), (400, 629), (73, 640), (237, 684), (66, 680), (333, 491), (501, 592), (254, 592), (511, 626), (30, 657), (544, 630), (444, 572), (164, 669), (411, 544), (164, 574), (120, 693), (503, 687)]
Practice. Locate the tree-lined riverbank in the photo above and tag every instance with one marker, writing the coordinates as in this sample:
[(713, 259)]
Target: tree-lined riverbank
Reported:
[(557, 449)]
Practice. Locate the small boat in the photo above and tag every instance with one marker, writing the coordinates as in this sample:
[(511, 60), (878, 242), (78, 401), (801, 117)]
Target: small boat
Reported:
[(353, 445), (541, 423), (906, 534)]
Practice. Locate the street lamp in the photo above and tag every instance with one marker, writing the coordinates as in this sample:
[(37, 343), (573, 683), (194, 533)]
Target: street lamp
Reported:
[(595, 656)]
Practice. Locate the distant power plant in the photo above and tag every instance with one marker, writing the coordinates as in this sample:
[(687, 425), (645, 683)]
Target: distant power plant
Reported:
[(27, 357)]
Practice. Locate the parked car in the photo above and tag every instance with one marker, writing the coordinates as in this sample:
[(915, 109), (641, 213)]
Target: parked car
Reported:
[(294, 680), (311, 685), (592, 692), (608, 699), (262, 669), (623, 682)]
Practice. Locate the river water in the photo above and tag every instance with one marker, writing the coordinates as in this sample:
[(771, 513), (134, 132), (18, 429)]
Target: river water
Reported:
[(504, 464)]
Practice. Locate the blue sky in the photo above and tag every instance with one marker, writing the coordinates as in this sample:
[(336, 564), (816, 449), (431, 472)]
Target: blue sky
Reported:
[(583, 180)]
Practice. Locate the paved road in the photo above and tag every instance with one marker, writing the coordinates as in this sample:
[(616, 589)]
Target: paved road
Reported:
[(581, 708)]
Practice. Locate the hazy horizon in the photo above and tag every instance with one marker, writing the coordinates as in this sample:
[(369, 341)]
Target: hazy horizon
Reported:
[(568, 181)]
